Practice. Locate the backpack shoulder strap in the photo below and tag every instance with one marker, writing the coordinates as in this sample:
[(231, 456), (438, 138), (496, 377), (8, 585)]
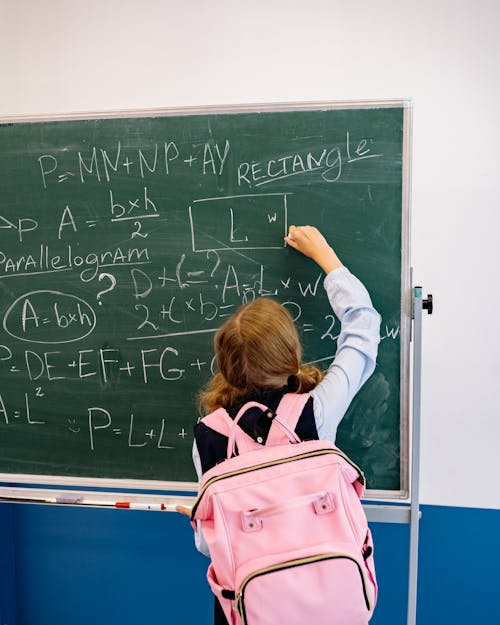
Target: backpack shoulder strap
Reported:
[(221, 422), (282, 428), (218, 420), (287, 413)]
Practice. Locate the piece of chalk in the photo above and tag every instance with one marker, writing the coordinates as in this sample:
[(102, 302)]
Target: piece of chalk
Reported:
[(68, 499)]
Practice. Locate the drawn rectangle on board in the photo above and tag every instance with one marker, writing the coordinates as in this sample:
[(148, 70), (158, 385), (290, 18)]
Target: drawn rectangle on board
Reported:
[(227, 223)]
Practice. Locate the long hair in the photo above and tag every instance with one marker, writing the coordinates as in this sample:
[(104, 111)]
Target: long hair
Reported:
[(257, 348)]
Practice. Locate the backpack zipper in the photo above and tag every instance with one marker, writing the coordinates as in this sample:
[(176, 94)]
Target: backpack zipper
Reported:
[(239, 600), (271, 463)]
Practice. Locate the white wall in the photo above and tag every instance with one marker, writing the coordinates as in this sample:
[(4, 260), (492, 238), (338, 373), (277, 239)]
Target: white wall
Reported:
[(62, 56)]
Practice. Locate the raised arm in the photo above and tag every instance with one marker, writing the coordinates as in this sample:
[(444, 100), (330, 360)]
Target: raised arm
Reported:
[(357, 343)]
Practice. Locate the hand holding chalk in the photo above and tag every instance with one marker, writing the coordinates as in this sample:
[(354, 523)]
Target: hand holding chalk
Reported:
[(309, 241)]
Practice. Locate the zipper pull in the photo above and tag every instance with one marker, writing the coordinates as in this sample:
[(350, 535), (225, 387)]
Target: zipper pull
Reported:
[(236, 602)]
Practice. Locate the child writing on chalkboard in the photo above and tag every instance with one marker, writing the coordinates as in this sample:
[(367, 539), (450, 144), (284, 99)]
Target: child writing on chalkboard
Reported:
[(258, 355)]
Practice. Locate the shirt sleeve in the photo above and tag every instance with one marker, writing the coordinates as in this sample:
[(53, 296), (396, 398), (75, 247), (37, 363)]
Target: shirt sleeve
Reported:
[(355, 358), (199, 539)]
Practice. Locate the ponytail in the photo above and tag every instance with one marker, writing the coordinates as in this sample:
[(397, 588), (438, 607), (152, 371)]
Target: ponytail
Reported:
[(305, 379)]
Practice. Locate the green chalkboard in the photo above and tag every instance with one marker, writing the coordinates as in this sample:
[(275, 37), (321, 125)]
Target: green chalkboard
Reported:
[(126, 240)]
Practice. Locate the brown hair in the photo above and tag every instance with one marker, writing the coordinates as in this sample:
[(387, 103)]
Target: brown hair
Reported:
[(257, 348)]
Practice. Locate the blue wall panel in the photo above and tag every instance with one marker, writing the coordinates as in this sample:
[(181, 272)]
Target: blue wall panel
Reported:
[(8, 600), (458, 566), (79, 566), (74, 566), (391, 543)]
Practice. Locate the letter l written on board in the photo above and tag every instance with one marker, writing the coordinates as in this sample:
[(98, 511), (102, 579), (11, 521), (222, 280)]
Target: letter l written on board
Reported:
[(231, 238), (130, 444), (28, 412)]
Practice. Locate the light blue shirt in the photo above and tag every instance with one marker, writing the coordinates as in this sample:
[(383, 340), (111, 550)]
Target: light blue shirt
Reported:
[(356, 354)]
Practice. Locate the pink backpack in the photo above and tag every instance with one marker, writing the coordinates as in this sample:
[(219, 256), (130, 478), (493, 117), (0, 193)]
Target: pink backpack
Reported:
[(288, 537)]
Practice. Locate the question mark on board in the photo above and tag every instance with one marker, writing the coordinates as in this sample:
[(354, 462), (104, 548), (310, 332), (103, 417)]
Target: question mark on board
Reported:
[(110, 288)]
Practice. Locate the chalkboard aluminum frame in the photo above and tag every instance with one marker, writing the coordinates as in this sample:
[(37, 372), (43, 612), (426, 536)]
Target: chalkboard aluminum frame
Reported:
[(131, 485)]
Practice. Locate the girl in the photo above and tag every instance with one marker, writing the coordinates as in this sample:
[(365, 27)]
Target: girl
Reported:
[(259, 354)]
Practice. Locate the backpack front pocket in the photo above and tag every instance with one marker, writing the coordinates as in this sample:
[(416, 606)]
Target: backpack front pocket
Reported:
[(326, 589)]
